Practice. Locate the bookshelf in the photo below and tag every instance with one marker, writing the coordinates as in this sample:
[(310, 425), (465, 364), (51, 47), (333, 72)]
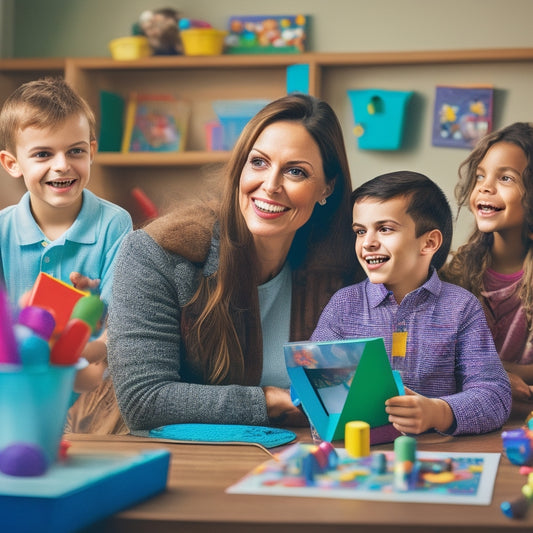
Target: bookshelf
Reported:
[(200, 80)]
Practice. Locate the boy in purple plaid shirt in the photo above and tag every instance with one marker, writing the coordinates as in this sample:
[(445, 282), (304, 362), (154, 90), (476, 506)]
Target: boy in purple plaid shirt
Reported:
[(435, 333)]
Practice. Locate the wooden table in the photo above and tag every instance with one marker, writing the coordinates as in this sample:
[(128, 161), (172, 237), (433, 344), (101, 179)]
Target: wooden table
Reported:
[(195, 499)]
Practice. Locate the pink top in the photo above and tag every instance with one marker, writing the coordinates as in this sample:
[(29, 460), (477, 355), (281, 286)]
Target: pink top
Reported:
[(505, 316)]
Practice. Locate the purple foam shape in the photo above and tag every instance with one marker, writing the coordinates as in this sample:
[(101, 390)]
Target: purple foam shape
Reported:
[(8, 344), (23, 459), (40, 320)]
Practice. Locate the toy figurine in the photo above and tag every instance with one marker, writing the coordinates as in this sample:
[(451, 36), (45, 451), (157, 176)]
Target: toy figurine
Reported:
[(161, 27)]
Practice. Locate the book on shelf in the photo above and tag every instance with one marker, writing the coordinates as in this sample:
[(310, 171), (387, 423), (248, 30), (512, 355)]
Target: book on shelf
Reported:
[(462, 115), (112, 107), (155, 123)]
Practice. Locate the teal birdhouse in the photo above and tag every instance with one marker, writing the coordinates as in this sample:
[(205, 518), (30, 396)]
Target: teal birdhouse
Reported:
[(379, 117)]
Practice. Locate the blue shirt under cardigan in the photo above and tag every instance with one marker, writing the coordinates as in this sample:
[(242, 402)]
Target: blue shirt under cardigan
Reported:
[(450, 353), (89, 246)]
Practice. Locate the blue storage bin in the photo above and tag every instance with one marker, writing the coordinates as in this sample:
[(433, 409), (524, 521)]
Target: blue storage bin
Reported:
[(379, 117), (233, 115)]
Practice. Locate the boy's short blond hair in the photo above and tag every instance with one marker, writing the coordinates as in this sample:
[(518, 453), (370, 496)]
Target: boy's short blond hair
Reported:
[(43, 103)]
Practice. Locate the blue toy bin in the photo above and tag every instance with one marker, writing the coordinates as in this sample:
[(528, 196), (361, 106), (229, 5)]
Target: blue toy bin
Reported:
[(34, 405), (379, 117)]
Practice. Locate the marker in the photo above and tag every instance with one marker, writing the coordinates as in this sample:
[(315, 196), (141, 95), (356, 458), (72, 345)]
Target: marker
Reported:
[(8, 344), (69, 345), (516, 508), (39, 320), (34, 351), (89, 309)]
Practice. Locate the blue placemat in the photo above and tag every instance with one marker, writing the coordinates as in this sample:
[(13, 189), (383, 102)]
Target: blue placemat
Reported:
[(220, 433)]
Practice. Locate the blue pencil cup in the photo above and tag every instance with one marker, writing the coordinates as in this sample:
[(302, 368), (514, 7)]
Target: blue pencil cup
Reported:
[(379, 117), (34, 405)]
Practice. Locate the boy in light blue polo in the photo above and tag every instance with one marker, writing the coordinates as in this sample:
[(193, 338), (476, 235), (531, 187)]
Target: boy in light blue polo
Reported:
[(48, 138)]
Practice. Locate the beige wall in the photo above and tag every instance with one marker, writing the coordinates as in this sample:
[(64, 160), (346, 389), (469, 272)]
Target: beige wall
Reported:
[(44, 28), (84, 27)]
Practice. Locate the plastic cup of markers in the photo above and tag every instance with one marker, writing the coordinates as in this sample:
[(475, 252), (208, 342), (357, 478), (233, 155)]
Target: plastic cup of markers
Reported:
[(33, 407)]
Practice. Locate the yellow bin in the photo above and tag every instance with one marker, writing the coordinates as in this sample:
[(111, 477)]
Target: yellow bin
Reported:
[(203, 41), (134, 47)]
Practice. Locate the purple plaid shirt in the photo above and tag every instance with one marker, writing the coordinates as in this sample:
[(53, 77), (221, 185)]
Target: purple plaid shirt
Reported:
[(450, 353)]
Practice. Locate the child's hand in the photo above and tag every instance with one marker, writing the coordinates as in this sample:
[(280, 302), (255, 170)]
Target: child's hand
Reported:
[(280, 409), (414, 413), (82, 282)]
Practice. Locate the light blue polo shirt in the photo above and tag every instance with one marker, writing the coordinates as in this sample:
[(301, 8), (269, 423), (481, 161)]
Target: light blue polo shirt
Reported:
[(89, 246)]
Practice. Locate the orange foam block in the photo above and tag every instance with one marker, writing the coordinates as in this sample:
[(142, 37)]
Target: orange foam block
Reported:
[(57, 297)]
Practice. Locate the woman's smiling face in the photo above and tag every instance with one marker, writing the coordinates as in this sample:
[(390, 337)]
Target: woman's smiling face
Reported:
[(282, 180)]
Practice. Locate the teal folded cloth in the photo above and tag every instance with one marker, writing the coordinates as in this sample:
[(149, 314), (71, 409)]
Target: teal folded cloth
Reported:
[(265, 436)]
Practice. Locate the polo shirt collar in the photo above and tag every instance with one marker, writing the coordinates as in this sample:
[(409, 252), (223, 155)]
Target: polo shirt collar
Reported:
[(84, 229)]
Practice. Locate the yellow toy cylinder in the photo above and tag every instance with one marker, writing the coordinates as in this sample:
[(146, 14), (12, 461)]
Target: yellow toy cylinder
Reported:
[(357, 438)]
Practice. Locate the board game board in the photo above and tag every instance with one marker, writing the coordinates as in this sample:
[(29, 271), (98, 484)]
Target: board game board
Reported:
[(470, 482)]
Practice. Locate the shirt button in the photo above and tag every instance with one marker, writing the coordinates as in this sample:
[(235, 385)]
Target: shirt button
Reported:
[(44, 244), (46, 259)]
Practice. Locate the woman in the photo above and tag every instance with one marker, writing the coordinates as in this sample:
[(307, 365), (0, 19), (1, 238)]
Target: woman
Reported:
[(204, 298)]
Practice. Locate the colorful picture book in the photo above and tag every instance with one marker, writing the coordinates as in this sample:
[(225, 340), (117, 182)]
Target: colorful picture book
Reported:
[(341, 381), (270, 34), (155, 123), (80, 490), (462, 115), (469, 480)]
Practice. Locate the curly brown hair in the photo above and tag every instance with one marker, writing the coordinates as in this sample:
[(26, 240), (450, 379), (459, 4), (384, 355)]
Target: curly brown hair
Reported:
[(470, 261)]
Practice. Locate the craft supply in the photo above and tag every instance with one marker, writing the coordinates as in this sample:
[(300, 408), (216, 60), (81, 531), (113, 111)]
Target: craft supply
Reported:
[(357, 438), (268, 437), (404, 463), (470, 482), (8, 344), (35, 392), (89, 309)]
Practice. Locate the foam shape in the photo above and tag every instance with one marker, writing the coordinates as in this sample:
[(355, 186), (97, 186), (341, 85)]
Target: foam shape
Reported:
[(23, 459), (218, 433), (56, 296), (357, 438)]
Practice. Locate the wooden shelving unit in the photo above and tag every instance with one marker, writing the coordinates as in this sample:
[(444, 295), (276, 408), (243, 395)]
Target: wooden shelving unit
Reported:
[(201, 80)]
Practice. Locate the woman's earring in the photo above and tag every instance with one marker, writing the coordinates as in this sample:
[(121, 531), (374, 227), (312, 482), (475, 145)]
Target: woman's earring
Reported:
[(322, 202)]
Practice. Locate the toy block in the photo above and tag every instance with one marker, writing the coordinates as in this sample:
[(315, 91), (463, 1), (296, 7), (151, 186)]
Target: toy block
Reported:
[(57, 297)]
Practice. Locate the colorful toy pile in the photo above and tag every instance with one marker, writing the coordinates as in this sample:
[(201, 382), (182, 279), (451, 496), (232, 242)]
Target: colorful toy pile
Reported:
[(518, 447), (39, 355)]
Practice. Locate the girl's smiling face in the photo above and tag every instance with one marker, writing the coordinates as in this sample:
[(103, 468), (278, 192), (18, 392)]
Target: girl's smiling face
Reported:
[(282, 180), (496, 200)]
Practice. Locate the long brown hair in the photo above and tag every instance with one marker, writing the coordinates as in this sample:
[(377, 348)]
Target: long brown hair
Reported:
[(230, 296), (468, 264)]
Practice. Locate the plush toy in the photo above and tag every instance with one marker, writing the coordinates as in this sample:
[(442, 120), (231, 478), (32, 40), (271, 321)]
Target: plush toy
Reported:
[(161, 27)]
